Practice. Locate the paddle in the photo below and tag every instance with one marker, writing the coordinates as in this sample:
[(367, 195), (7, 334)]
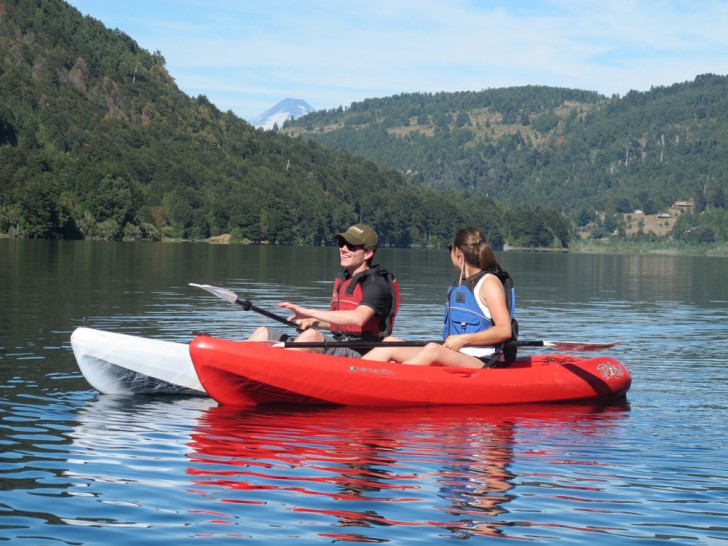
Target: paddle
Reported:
[(232, 297), (247, 305), (571, 346)]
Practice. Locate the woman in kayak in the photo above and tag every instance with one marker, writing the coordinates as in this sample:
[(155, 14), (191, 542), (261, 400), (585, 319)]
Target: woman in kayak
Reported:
[(477, 316)]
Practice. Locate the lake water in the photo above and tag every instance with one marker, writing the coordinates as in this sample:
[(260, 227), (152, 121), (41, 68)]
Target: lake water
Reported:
[(77, 467)]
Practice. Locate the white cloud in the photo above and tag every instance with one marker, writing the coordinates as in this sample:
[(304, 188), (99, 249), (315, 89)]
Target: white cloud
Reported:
[(247, 56)]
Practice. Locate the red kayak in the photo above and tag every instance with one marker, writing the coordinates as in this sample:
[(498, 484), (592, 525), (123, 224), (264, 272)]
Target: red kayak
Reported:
[(251, 373)]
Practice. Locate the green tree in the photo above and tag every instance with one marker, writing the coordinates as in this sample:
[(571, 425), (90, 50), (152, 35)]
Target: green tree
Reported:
[(38, 202), (714, 194)]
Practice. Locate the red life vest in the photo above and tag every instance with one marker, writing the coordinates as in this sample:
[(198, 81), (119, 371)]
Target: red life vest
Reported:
[(348, 295)]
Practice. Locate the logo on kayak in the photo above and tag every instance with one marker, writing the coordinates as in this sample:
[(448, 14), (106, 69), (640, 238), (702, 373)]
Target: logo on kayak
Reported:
[(611, 370), (356, 369)]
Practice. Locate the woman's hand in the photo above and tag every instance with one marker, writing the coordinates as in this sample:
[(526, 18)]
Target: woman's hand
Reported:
[(456, 342)]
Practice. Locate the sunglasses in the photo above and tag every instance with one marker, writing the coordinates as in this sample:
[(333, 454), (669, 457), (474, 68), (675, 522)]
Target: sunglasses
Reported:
[(450, 247), (353, 248)]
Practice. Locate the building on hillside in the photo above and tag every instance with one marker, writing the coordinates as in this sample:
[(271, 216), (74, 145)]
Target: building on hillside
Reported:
[(683, 204)]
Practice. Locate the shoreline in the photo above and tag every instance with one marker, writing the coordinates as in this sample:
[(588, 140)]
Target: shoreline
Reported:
[(653, 248), (600, 246)]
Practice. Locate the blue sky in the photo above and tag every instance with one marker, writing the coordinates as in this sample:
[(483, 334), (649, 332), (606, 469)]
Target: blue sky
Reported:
[(247, 55)]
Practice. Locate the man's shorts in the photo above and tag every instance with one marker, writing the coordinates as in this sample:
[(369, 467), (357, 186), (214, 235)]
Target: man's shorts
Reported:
[(277, 335)]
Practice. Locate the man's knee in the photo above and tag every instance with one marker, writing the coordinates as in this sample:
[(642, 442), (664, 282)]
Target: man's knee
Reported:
[(310, 335), (268, 334), (260, 334)]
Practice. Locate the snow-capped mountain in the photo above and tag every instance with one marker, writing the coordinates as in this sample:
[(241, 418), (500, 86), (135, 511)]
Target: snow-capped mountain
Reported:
[(284, 110)]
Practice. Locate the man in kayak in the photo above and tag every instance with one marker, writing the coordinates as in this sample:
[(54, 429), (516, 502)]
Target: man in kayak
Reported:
[(478, 313), (363, 304)]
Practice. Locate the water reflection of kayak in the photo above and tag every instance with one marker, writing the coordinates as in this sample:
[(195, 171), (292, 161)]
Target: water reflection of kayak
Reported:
[(244, 373), (356, 465)]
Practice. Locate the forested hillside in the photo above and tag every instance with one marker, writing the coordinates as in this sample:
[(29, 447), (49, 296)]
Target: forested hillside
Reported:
[(572, 150), (97, 141)]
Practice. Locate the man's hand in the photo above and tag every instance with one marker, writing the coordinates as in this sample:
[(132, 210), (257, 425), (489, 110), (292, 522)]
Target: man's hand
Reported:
[(301, 316), (306, 323), (298, 311)]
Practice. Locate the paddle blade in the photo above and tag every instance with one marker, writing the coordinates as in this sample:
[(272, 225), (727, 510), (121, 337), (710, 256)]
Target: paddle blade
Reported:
[(222, 293), (577, 346)]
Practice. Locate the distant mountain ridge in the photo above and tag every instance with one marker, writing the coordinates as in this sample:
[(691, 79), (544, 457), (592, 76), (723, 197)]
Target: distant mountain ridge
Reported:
[(285, 110), (573, 150)]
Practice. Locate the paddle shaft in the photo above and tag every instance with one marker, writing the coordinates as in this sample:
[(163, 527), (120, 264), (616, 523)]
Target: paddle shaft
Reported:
[(248, 305), (371, 344)]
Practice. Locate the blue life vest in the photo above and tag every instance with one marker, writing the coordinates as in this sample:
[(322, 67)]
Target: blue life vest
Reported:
[(463, 315)]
